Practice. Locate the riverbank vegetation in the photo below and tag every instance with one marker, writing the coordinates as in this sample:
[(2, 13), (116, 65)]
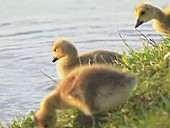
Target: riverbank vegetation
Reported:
[(149, 104)]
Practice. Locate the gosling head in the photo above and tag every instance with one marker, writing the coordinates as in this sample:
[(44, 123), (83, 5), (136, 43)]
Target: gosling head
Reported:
[(62, 48), (144, 12), (44, 119)]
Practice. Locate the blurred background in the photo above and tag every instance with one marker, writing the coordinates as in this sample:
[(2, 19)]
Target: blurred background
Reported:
[(28, 29)]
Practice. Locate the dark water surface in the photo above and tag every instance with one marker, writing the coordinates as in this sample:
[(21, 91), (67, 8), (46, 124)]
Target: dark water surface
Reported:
[(28, 29)]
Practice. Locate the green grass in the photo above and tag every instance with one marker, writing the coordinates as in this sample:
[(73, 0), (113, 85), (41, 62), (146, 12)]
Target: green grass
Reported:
[(149, 104)]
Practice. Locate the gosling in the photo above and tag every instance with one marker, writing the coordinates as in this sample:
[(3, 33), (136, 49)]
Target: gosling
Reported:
[(67, 55), (91, 89), (145, 12)]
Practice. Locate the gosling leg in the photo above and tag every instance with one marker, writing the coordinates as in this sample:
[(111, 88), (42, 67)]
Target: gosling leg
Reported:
[(95, 120)]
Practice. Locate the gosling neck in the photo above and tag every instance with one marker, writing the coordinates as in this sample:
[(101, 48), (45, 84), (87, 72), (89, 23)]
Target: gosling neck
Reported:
[(48, 101), (70, 57), (159, 14), (69, 61), (55, 101)]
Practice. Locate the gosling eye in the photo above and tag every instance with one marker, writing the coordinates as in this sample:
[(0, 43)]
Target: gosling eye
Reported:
[(142, 13), (46, 126), (54, 50)]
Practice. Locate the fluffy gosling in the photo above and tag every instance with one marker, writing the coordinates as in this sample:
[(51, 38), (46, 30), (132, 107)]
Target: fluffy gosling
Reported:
[(145, 12), (91, 89), (67, 55)]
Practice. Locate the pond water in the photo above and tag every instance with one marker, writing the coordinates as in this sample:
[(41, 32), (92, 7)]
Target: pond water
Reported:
[(28, 29)]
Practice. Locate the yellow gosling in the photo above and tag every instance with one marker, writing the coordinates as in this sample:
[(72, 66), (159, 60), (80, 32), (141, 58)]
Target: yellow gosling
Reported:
[(145, 12), (91, 89), (66, 53)]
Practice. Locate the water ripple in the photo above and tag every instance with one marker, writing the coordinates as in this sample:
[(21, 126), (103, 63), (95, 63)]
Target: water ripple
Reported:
[(22, 33)]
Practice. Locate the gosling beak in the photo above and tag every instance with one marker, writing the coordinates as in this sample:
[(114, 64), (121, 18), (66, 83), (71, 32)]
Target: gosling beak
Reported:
[(138, 23), (54, 59)]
